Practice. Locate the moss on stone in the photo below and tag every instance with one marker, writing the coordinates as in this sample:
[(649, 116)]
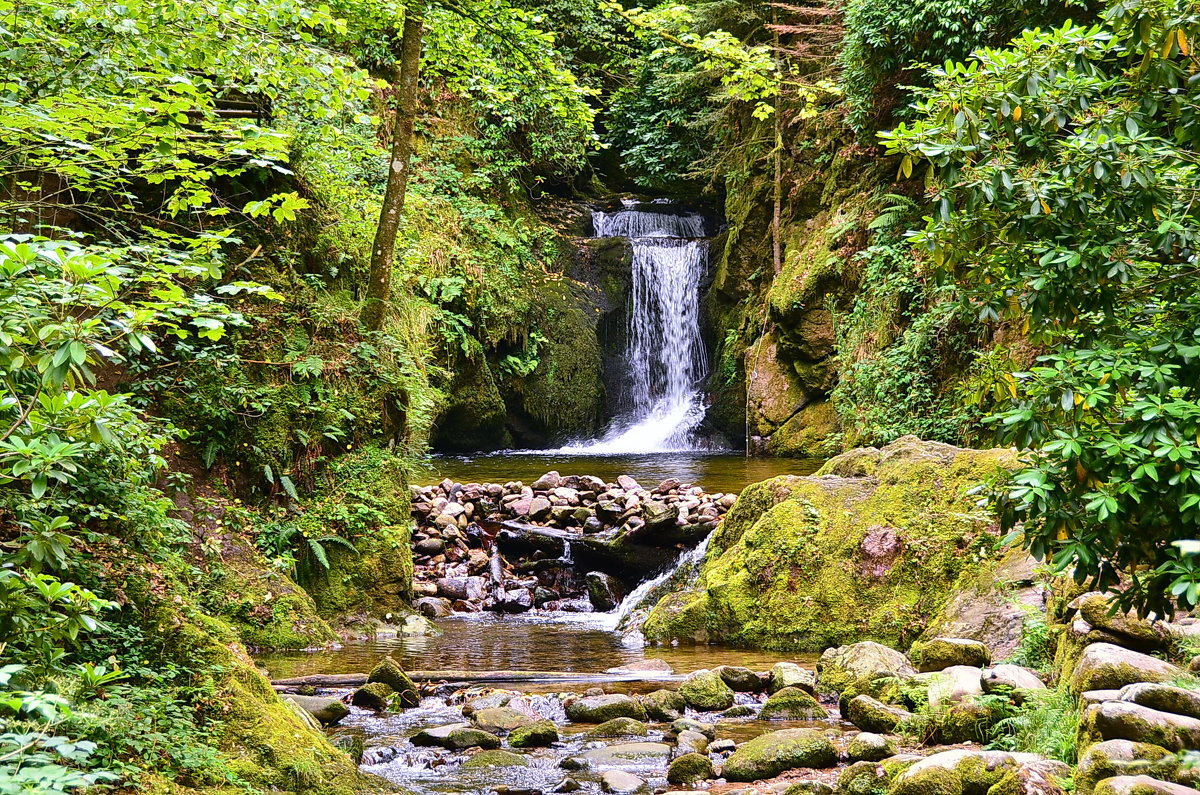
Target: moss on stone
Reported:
[(775, 752), (496, 757), (706, 690), (792, 703), (535, 735), (664, 705), (387, 671), (690, 768), (803, 563)]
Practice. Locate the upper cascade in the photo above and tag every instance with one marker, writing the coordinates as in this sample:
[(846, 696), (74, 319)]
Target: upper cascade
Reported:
[(665, 358)]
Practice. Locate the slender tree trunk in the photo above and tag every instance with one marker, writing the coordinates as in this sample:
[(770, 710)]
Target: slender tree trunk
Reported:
[(379, 287)]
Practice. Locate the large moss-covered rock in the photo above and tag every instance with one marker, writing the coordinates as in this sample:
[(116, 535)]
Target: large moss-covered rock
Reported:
[(871, 547), (1123, 758), (1164, 698), (958, 772), (855, 664), (534, 735), (620, 727), (706, 690), (773, 753), (870, 747), (664, 705), (940, 653), (1104, 666), (792, 703), (1138, 633), (787, 674), (871, 715), (499, 720), (389, 672), (1122, 720), (690, 768), (1139, 785)]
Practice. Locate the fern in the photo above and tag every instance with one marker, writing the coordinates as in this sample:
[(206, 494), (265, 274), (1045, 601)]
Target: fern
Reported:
[(318, 552), (898, 209), (288, 486)]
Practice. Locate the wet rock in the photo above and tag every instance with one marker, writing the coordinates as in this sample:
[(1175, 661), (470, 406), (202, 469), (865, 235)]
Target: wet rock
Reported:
[(598, 709), (705, 690), (432, 606), (627, 483), (690, 768), (809, 786), (642, 753), (499, 720), (739, 711), (496, 757), (539, 508), (953, 684), (456, 737), (618, 781), (390, 673), (786, 674), (691, 725), (499, 698), (373, 696), (351, 745), (792, 703), (430, 547), (517, 600), (1140, 785), (663, 705), (941, 653), (739, 678), (723, 746), (467, 589), (870, 747), (872, 715), (568, 784), (649, 665), (1104, 666), (1123, 758), (538, 734), (690, 742), (620, 727), (864, 777), (327, 711), (659, 515), (604, 590), (1121, 720), (773, 753)]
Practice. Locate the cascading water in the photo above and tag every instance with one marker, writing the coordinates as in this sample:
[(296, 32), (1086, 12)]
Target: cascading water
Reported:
[(664, 354)]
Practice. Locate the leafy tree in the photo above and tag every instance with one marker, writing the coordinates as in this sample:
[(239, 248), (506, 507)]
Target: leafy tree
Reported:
[(1064, 171)]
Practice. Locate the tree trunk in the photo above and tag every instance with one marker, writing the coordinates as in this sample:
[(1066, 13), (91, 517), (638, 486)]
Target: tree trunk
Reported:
[(379, 287)]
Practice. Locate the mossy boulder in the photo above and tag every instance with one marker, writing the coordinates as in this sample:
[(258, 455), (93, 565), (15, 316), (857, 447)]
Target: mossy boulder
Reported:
[(496, 757), (792, 703), (1135, 632), (857, 664), (620, 727), (862, 778), (326, 710), (1163, 698), (706, 690), (773, 753), (1139, 785), (538, 734), (870, 747), (1123, 758), (499, 720), (941, 653), (389, 672), (810, 562), (664, 705), (373, 695), (690, 768), (1104, 666), (739, 711), (455, 737), (958, 772), (598, 709), (740, 678), (474, 415), (872, 715), (1121, 720)]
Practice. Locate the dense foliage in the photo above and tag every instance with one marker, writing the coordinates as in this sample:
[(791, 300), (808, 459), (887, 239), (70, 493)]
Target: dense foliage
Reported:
[(1064, 172)]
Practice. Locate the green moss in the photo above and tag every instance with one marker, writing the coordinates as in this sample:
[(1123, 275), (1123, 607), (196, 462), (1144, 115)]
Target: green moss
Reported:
[(792, 703), (497, 757), (690, 768), (788, 568), (535, 735)]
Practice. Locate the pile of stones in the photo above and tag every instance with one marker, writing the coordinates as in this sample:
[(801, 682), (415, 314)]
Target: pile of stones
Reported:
[(457, 526)]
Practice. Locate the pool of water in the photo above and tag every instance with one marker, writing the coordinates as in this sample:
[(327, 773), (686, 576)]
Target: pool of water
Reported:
[(715, 472), (573, 643)]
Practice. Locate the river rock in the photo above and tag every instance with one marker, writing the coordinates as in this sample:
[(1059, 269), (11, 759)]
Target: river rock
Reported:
[(872, 715), (1013, 679), (1140, 785), (1164, 698), (604, 590), (327, 711), (705, 690), (953, 684), (690, 768), (456, 737), (870, 747), (809, 786), (1139, 633), (568, 784), (648, 665), (862, 778), (792, 703), (739, 711), (432, 606), (722, 746), (620, 727), (389, 672), (844, 666), (373, 696), (517, 600), (948, 772), (468, 589), (627, 483), (663, 705), (941, 653), (550, 480), (787, 674), (1104, 666), (496, 757), (429, 547), (690, 742), (538, 734), (739, 678), (539, 509), (1121, 720), (499, 720), (643, 753), (618, 781), (681, 725), (598, 709), (1123, 758), (770, 754)]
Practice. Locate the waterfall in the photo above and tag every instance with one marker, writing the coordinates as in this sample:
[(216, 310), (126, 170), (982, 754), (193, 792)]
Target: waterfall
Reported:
[(686, 568), (664, 354)]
